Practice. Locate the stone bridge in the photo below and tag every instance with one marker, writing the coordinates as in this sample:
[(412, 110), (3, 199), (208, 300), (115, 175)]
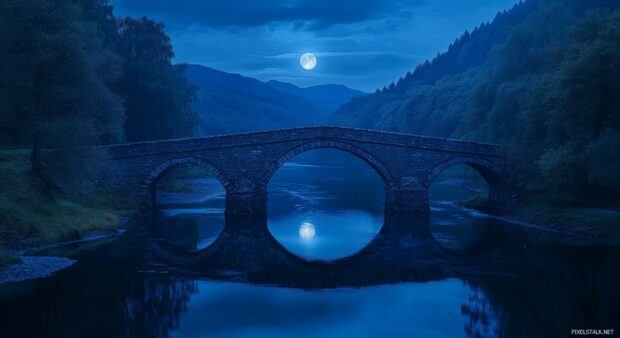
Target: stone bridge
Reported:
[(244, 163)]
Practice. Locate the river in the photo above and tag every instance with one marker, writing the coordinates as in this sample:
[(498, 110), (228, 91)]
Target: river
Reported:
[(325, 269)]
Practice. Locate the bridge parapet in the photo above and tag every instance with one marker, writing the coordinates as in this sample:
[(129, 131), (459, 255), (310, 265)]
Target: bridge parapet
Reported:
[(300, 134)]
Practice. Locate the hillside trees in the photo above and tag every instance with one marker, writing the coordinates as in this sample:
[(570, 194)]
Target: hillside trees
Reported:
[(584, 126), (156, 93), (554, 99), (52, 76), (545, 84), (78, 76)]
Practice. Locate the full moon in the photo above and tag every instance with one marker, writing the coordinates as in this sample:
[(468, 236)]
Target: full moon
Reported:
[(306, 231), (308, 61)]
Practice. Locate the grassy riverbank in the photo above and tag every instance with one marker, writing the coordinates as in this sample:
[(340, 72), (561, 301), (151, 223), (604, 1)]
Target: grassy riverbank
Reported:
[(591, 223), (595, 223), (32, 213)]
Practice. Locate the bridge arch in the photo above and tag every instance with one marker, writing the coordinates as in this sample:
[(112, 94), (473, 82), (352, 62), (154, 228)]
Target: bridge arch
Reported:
[(355, 154), (499, 192), (148, 184), (366, 156)]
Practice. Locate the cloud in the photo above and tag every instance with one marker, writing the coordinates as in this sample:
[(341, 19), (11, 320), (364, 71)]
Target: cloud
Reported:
[(345, 54), (305, 14)]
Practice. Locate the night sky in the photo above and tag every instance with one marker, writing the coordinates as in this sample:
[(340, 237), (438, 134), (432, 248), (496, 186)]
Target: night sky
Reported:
[(361, 44)]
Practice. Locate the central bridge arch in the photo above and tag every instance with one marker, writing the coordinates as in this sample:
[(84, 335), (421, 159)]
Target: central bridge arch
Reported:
[(366, 156)]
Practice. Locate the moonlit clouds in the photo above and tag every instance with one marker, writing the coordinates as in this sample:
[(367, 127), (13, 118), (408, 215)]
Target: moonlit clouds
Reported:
[(313, 14), (362, 44)]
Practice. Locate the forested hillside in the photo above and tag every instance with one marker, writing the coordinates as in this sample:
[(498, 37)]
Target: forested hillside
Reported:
[(75, 74), (228, 103), (542, 79)]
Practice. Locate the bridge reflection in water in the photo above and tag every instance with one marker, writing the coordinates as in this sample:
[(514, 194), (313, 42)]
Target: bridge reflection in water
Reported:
[(403, 247), (505, 273), (403, 283)]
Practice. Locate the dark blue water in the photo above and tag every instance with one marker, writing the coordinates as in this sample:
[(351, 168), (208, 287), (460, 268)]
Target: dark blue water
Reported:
[(314, 214), (476, 277), (375, 311)]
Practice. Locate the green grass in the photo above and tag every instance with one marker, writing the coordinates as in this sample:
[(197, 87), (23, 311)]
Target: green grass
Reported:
[(31, 212), (590, 222), (597, 223)]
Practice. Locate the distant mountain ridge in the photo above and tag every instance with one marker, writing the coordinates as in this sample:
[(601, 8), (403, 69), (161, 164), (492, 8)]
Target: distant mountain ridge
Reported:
[(330, 96), (229, 103)]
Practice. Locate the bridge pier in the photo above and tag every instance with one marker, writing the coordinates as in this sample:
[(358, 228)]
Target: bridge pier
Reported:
[(241, 204), (408, 202)]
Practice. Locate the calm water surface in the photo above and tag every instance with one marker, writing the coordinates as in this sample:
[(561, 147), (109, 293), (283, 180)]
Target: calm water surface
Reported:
[(477, 277)]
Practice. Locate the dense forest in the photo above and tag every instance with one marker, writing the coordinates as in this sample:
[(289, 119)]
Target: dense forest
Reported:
[(542, 79), (75, 74)]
